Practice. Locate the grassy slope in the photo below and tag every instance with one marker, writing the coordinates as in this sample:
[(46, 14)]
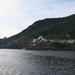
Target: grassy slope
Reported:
[(49, 28)]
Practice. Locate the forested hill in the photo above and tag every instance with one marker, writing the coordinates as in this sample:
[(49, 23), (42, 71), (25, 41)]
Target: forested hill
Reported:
[(51, 28)]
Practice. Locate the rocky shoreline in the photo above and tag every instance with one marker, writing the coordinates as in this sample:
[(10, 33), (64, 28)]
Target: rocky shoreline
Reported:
[(49, 46)]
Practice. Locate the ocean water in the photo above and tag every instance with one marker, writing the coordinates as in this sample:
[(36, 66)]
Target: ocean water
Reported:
[(30, 62)]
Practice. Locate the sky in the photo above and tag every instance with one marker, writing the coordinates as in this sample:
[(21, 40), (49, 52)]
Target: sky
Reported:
[(17, 15)]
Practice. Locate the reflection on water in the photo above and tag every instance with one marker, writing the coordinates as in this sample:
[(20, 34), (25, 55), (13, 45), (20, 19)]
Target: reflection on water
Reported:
[(20, 62)]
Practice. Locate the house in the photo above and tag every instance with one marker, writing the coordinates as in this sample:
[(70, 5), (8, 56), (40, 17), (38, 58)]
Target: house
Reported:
[(44, 40), (57, 41), (33, 44), (41, 39), (62, 41), (54, 41), (34, 40), (71, 41)]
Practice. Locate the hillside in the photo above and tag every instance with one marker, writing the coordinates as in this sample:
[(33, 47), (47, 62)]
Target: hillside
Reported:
[(50, 28)]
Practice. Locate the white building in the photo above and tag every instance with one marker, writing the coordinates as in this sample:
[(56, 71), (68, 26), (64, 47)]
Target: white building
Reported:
[(34, 40), (41, 39), (44, 40), (71, 41), (62, 41), (52, 41)]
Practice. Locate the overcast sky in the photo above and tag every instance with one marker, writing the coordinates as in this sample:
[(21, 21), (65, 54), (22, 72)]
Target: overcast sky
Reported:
[(17, 15)]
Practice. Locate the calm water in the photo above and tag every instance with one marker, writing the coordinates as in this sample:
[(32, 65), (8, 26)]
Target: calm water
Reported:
[(22, 62)]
